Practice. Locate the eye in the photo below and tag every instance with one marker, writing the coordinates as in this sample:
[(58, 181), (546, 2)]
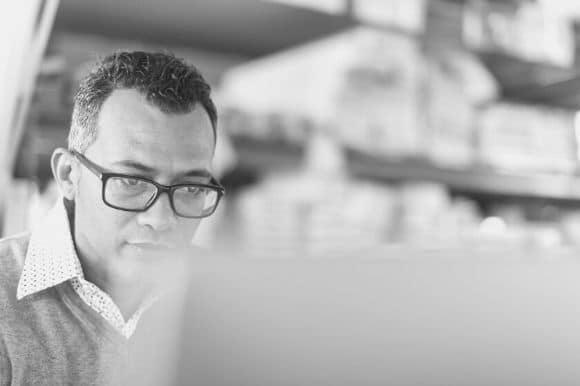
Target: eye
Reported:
[(131, 181), (193, 189)]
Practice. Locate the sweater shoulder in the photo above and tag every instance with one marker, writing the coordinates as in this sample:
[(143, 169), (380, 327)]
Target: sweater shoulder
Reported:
[(12, 254)]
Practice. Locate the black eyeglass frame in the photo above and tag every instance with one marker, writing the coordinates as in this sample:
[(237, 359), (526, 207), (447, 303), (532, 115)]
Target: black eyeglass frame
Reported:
[(103, 175)]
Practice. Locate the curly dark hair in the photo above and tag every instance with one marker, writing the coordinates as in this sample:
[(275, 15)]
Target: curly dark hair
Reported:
[(166, 81)]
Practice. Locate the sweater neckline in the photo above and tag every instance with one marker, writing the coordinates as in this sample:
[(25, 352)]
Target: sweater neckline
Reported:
[(86, 314)]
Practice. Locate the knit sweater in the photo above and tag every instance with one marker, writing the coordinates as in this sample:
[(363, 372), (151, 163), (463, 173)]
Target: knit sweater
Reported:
[(54, 338)]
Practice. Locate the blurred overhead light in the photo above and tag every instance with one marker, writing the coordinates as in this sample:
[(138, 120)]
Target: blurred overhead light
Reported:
[(329, 6)]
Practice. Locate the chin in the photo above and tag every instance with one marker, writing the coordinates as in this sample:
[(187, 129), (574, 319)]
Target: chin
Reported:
[(126, 266), (137, 263)]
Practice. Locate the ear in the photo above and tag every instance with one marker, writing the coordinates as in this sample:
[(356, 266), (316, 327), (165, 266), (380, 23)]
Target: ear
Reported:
[(65, 172)]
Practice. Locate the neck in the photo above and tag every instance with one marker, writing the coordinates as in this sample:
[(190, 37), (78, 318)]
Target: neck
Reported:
[(126, 295)]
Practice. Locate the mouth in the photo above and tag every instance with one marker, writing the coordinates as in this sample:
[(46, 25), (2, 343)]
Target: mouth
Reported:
[(148, 245)]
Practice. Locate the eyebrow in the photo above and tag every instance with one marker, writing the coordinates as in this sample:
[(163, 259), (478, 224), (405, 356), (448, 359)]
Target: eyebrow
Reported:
[(148, 169)]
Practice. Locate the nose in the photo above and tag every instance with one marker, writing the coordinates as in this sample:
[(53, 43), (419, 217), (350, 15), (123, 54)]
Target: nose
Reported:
[(160, 216)]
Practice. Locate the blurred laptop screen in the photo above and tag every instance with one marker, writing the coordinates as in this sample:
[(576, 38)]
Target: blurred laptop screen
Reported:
[(412, 320)]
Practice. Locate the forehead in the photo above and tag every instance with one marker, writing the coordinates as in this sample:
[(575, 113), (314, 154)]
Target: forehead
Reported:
[(129, 127)]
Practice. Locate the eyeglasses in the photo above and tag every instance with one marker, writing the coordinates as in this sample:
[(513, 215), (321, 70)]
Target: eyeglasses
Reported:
[(138, 194)]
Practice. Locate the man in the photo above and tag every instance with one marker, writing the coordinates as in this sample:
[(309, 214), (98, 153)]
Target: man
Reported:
[(135, 183)]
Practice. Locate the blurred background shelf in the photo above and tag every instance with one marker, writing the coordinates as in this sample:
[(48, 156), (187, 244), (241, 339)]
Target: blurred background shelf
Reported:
[(564, 92), (478, 180), (267, 157)]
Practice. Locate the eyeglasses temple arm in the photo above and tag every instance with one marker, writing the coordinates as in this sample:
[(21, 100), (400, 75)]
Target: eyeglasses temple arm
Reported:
[(89, 165)]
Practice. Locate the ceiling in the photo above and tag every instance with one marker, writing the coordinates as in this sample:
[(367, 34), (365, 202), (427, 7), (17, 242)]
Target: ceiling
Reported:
[(245, 27)]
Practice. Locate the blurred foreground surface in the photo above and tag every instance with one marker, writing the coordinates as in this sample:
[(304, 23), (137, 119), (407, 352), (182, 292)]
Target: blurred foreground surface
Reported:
[(391, 316)]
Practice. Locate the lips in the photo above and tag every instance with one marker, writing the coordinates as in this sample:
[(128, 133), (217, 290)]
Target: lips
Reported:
[(146, 244)]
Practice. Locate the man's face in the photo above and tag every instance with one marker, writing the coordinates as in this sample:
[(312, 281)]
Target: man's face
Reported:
[(137, 138)]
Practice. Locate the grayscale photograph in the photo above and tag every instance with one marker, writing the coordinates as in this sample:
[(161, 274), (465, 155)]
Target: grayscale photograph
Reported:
[(290, 192)]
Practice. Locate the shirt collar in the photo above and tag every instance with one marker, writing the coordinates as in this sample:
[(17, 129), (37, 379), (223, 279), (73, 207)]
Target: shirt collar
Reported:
[(51, 258)]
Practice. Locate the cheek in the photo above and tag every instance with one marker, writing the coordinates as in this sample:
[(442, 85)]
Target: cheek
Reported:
[(186, 229), (97, 219), (88, 191)]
